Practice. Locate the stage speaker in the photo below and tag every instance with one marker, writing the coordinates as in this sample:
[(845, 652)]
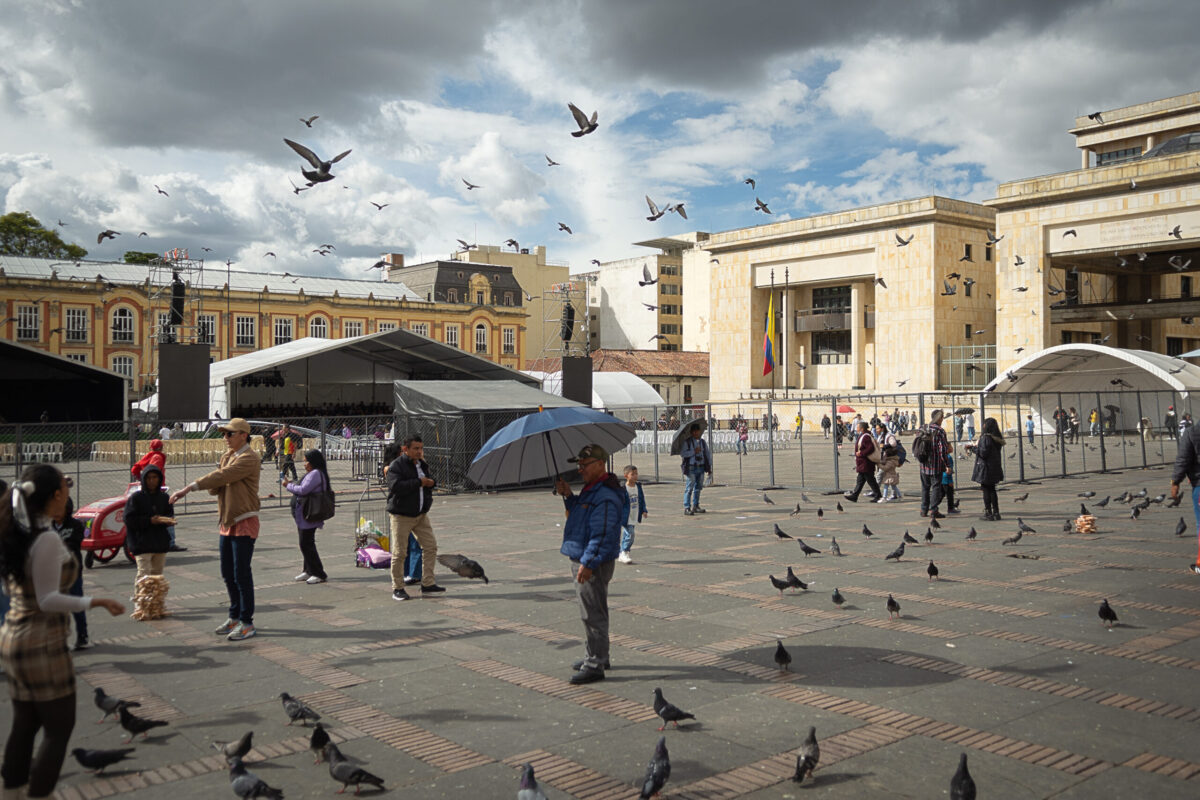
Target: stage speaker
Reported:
[(568, 323), (577, 379), (183, 381), (178, 292)]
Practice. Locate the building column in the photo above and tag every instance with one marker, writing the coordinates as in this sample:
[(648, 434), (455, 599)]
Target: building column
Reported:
[(858, 356), (784, 335), (1086, 156)]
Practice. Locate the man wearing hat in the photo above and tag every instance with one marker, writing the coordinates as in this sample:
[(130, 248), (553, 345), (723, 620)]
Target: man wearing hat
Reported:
[(935, 466), (592, 540), (235, 484)]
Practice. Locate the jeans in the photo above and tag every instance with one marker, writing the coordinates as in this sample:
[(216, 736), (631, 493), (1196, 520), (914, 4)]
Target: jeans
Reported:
[(740, 448), (308, 549), (236, 552), (413, 561), (80, 616), (1029, 433), (1196, 508), (593, 610), (1095, 429), (931, 492), (627, 538), (694, 482), (171, 534)]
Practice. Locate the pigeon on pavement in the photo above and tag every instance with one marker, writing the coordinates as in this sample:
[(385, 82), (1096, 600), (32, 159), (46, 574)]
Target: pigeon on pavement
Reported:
[(840, 509), (98, 760), (296, 710), (134, 724), (1083, 510), (895, 554), (529, 786), (1086, 494), (808, 551), (1106, 613), (341, 770), (461, 565), (932, 571), (807, 756), (779, 532), (782, 657), (317, 742), (767, 499), (109, 704), (235, 749), (1022, 498), (1021, 526), (962, 786), (867, 532), (1013, 539), (657, 771), (838, 599), (971, 534), (837, 551), (820, 513), (893, 607), (1104, 502), (795, 513), (778, 584), (908, 538), (1181, 527), (929, 535), (246, 784), (795, 582), (667, 711)]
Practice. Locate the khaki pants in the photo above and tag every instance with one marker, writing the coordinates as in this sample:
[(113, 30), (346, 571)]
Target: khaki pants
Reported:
[(418, 526), (149, 564)]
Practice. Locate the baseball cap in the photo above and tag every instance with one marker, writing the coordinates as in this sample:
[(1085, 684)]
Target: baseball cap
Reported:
[(590, 451), (236, 424)]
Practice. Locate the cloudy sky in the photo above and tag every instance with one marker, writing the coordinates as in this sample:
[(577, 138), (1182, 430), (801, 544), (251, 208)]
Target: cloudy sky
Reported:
[(827, 105)]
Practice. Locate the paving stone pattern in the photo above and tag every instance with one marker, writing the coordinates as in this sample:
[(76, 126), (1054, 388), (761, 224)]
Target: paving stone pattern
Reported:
[(1003, 658)]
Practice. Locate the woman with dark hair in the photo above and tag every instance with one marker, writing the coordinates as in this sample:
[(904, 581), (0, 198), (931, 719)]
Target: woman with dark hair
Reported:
[(38, 571), (989, 467), (316, 479)]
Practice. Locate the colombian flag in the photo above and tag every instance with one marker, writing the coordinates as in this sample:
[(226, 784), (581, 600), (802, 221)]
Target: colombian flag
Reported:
[(769, 338)]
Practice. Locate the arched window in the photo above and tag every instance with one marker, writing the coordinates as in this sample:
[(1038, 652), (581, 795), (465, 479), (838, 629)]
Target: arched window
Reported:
[(318, 328), (122, 326), (481, 337)]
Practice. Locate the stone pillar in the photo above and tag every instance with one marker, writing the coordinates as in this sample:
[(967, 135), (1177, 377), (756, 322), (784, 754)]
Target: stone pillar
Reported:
[(1086, 158), (858, 353)]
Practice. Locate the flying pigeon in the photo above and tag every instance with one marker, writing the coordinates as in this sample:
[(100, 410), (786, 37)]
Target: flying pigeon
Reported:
[(235, 749), (550, 162), (298, 189), (833, 547), (246, 784), (107, 233), (759, 205), (470, 185), (529, 786), (782, 657), (669, 712), (795, 582), (308, 121), (341, 770), (893, 608), (904, 242), (838, 599), (320, 171), (1177, 232), (562, 226), (1107, 615), (1020, 262), (317, 742), (160, 191), (678, 209), (379, 206), (296, 710), (750, 182), (1070, 232), (657, 771), (895, 554), (463, 566), (962, 786), (807, 756), (808, 551), (779, 532), (134, 725), (948, 289), (98, 760), (586, 125), (932, 571), (110, 705), (992, 238)]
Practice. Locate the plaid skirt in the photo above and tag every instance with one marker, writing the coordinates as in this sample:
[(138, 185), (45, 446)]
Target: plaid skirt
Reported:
[(36, 660)]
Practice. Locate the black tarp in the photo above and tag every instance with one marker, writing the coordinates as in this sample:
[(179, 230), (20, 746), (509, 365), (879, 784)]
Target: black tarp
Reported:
[(33, 381)]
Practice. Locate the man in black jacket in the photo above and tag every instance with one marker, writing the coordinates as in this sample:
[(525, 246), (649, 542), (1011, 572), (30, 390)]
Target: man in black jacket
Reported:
[(1187, 465), (410, 494), (72, 533)]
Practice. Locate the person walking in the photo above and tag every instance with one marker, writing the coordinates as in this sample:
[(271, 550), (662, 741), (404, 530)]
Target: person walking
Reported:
[(958, 427), (316, 480), (287, 452), (1171, 423), (889, 465), (743, 436), (148, 514), (1187, 465), (637, 510), (696, 462), (37, 570), (1072, 424), (866, 458), (412, 561), (410, 495), (1093, 423), (970, 427), (799, 424), (72, 533), (1028, 428), (591, 540), (235, 484), (989, 467), (826, 424), (931, 448)]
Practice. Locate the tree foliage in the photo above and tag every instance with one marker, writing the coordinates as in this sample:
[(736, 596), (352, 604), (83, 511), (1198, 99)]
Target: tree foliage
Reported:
[(139, 257), (22, 235)]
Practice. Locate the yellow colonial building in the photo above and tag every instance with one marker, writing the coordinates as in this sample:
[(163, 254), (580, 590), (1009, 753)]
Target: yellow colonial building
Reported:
[(114, 315)]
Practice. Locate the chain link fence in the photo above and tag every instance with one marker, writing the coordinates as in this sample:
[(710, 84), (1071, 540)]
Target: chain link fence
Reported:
[(759, 442)]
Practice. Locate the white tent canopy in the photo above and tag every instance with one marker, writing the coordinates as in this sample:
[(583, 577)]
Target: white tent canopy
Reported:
[(1093, 368), (609, 389)]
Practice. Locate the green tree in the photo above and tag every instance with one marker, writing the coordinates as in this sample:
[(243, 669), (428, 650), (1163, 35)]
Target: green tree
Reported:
[(22, 235), (139, 257)]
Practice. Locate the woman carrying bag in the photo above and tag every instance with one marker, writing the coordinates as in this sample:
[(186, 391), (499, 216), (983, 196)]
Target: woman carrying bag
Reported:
[(307, 495), (866, 459), (989, 467)]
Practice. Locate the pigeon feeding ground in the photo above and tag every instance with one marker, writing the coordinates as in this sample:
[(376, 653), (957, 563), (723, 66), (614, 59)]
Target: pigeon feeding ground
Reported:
[(1003, 658)]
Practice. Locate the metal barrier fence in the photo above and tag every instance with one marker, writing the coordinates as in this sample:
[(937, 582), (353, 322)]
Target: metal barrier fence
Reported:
[(785, 442)]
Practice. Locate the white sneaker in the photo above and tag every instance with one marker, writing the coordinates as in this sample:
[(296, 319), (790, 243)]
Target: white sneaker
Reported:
[(303, 576), (314, 580), (624, 557)]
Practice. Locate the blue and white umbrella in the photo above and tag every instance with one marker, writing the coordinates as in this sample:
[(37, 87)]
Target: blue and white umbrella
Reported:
[(537, 445)]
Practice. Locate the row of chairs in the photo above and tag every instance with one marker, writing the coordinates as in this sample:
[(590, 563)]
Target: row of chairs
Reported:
[(31, 451)]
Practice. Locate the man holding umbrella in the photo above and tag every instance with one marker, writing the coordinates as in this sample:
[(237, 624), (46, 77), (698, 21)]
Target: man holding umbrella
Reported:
[(592, 540), (697, 461)]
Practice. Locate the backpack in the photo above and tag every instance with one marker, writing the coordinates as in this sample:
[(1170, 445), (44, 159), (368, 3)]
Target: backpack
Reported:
[(901, 452), (923, 446)]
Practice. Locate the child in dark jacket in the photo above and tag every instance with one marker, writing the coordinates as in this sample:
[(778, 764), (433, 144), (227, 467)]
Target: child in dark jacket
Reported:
[(148, 515), (72, 533)]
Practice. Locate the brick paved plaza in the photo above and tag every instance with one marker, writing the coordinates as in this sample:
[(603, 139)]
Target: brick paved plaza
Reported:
[(1003, 658)]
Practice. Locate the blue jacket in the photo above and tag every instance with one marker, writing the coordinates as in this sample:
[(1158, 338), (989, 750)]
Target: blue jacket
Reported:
[(595, 516)]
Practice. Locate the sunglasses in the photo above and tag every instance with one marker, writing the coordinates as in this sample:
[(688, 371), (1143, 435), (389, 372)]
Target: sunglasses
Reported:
[(227, 434)]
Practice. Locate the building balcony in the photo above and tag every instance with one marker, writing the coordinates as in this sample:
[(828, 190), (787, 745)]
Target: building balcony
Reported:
[(824, 319)]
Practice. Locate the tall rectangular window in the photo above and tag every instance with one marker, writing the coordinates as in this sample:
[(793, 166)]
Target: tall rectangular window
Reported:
[(452, 335), (284, 327), (245, 331), (481, 338), (509, 341), (29, 323), (206, 329), (831, 347), (987, 252), (123, 365), (164, 329), (351, 328), (967, 331), (122, 326), (452, 295), (1185, 285), (77, 325), (479, 298), (967, 253), (1174, 346)]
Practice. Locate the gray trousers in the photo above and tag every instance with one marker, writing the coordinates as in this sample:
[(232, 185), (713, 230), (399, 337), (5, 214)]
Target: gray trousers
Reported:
[(593, 610)]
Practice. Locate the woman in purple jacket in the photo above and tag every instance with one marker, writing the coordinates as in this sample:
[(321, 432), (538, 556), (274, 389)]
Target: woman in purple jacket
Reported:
[(316, 479)]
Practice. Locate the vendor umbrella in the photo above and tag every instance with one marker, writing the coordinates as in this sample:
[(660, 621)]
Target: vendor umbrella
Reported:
[(685, 431), (1114, 409), (964, 410), (538, 445), (843, 409)]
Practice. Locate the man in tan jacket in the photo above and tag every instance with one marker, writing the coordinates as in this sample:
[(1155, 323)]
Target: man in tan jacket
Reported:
[(235, 484)]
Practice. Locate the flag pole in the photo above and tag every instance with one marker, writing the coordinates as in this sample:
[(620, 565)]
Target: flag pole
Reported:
[(771, 328)]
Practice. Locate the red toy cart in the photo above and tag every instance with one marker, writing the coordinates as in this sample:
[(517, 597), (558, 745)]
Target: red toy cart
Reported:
[(104, 528)]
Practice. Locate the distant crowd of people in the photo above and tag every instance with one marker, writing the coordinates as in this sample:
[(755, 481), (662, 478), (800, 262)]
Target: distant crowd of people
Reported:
[(294, 411)]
